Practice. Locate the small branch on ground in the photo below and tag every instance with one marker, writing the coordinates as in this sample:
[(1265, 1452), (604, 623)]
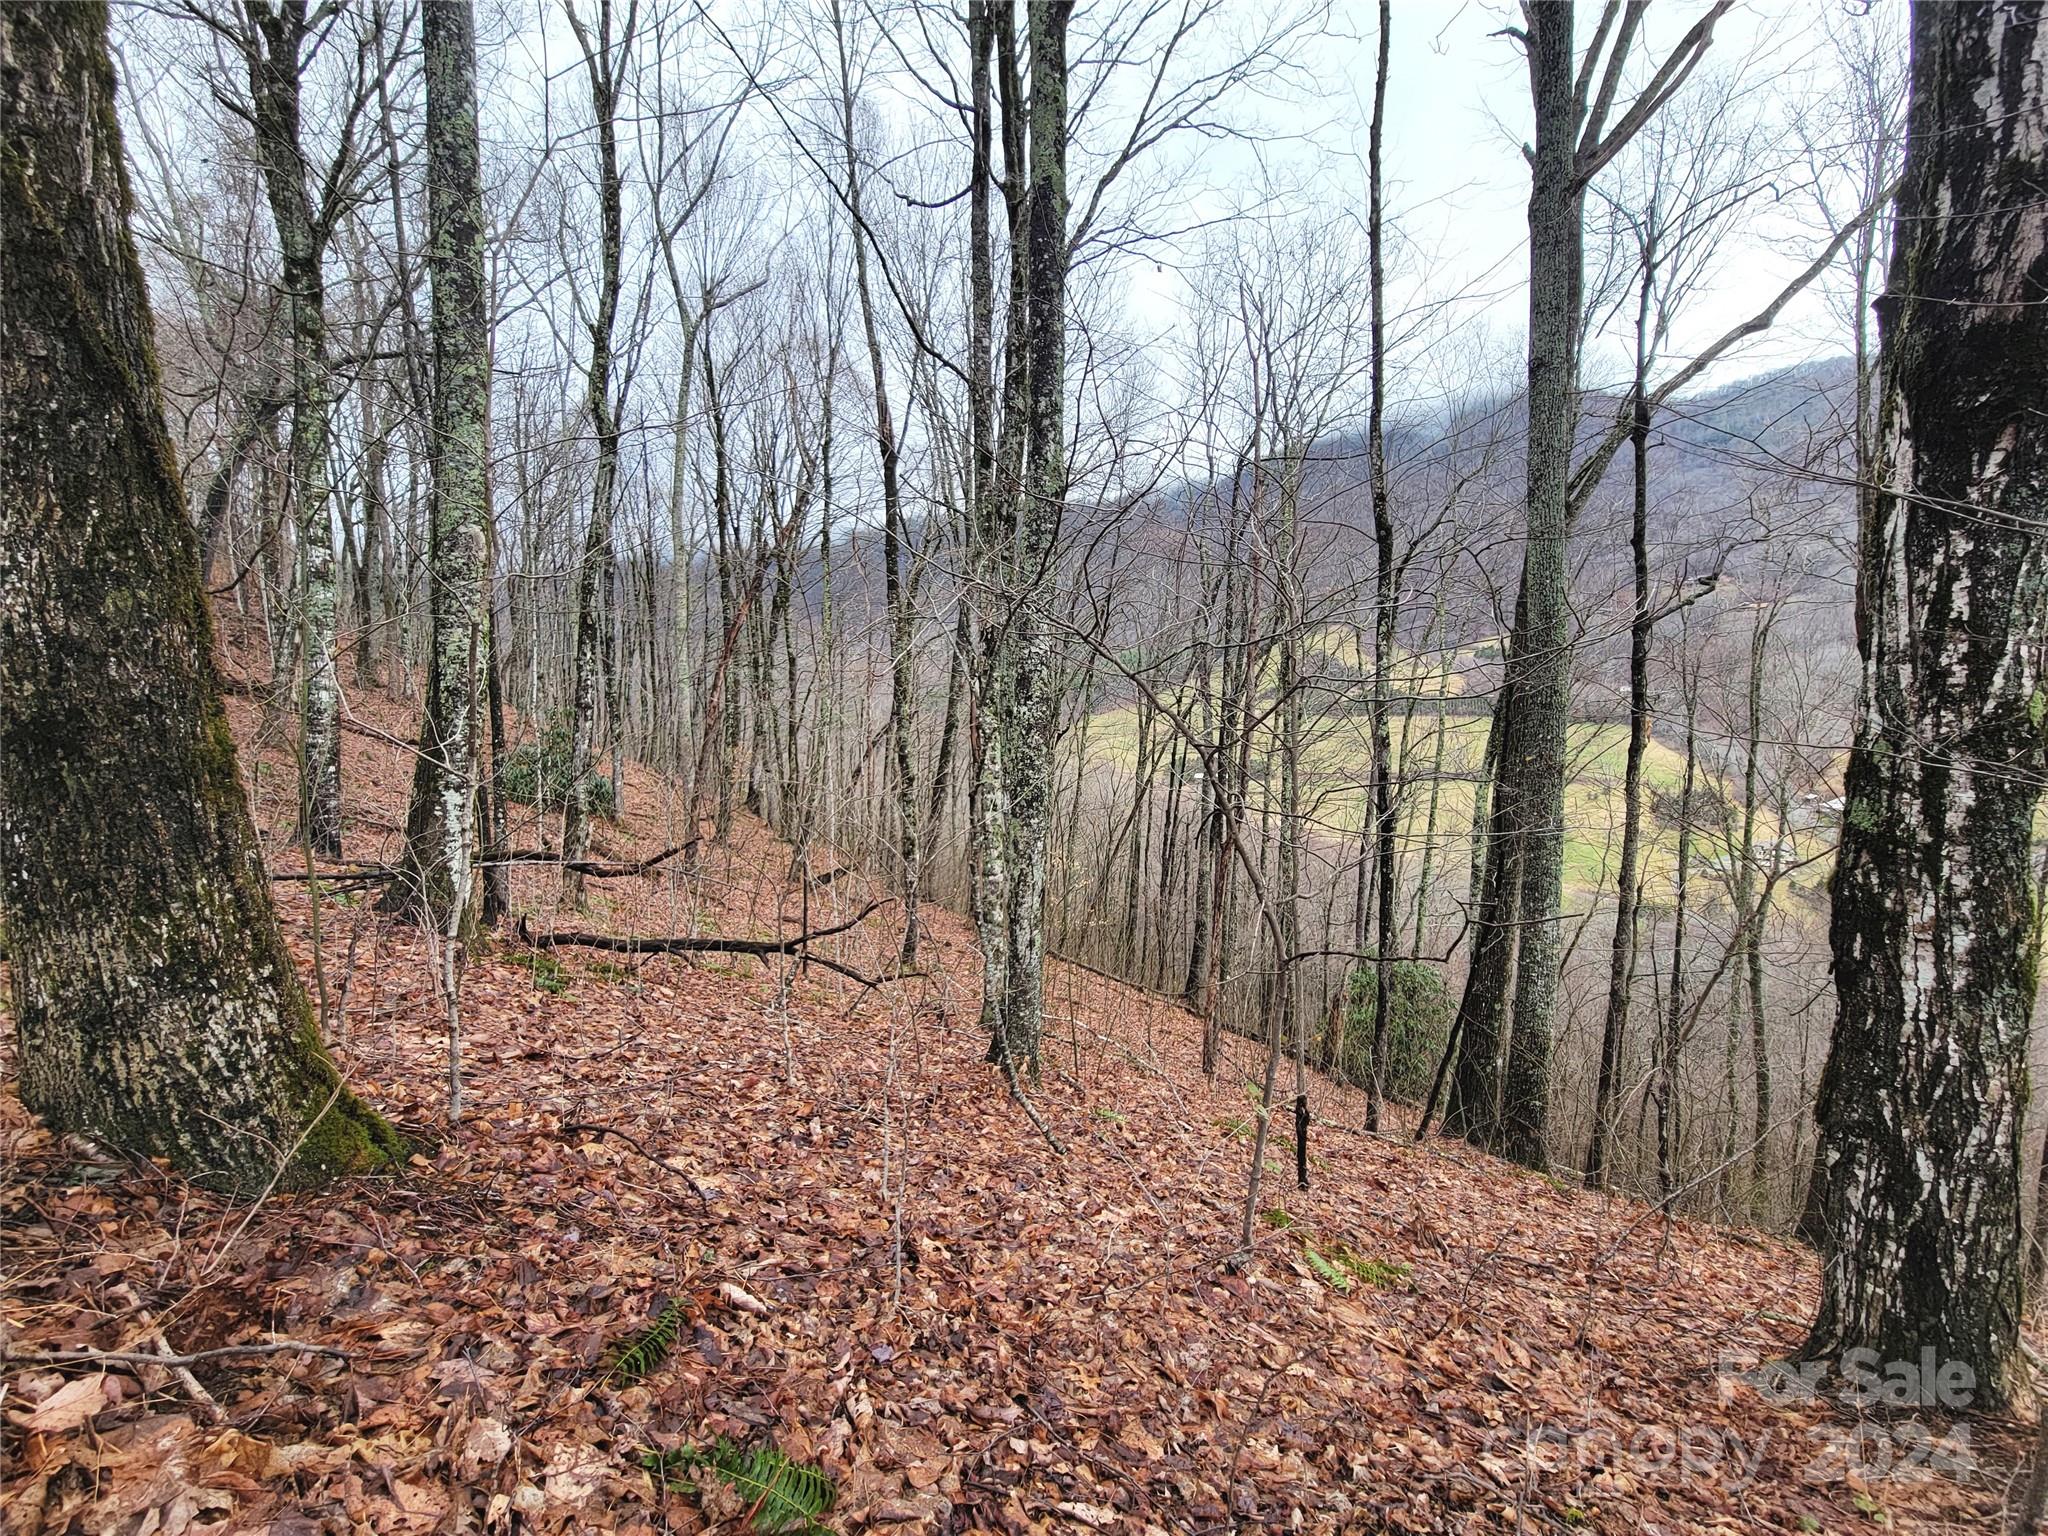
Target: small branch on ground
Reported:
[(202, 1400), (589, 1128), (168, 1361), (596, 869), (680, 945)]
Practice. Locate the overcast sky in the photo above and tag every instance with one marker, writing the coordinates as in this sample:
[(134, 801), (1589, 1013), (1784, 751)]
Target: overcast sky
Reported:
[(1457, 116), (1458, 113)]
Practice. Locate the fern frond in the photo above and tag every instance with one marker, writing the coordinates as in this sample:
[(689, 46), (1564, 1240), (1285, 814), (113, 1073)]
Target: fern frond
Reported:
[(651, 1347), (1381, 1273), (1336, 1279), (784, 1497)]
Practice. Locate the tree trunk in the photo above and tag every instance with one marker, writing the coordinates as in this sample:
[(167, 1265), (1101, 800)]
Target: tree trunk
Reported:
[(1540, 658), (1621, 967), (988, 514), (902, 621), (1207, 834), (155, 1003), (1287, 617), (1426, 874), (1473, 1108), (258, 413), (1664, 1089), (440, 840), (1925, 1087), (594, 573), (1753, 908), (1027, 714), (368, 586), (1384, 599), (274, 63)]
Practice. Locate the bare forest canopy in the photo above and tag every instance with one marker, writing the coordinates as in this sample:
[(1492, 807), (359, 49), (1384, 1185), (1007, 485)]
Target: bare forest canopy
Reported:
[(1151, 765)]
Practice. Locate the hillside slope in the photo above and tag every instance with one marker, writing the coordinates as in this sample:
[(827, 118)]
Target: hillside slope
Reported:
[(886, 1270)]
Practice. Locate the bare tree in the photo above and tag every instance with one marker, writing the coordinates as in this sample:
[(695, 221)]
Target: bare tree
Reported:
[(278, 44), (1578, 132), (605, 61)]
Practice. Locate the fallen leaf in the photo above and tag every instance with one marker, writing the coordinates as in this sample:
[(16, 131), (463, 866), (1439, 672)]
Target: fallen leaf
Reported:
[(67, 1408)]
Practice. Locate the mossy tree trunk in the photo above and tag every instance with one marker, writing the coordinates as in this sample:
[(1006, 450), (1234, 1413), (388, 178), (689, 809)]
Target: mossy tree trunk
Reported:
[(155, 1004), (1019, 495), (1925, 1088), (991, 499), (441, 825)]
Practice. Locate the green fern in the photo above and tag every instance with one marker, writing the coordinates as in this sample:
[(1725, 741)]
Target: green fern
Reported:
[(651, 1347), (1344, 1264), (784, 1497), (1380, 1273), (1335, 1278)]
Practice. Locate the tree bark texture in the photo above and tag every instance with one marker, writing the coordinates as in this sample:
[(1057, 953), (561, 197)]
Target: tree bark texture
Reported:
[(441, 825), (273, 47), (155, 1004), (1925, 1087)]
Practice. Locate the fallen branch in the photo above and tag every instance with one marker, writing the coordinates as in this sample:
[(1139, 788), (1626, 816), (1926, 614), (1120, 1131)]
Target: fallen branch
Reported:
[(172, 1362), (1157, 994), (348, 874), (597, 869), (632, 944), (589, 1128)]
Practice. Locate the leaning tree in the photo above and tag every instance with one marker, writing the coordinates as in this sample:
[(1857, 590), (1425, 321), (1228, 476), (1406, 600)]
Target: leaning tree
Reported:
[(155, 1002), (1925, 1088)]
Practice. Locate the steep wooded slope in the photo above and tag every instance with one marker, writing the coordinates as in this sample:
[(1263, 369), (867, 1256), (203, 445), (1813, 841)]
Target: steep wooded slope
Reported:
[(886, 1270)]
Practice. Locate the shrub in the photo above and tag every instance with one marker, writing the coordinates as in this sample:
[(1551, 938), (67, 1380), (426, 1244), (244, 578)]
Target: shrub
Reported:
[(536, 773), (1418, 1025)]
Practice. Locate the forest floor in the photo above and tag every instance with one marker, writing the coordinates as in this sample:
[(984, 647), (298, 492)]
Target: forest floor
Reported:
[(884, 1268)]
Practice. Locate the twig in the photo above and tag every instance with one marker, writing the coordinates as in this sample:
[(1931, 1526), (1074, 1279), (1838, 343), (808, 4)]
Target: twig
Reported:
[(203, 1400), (591, 1128), (137, 1357)]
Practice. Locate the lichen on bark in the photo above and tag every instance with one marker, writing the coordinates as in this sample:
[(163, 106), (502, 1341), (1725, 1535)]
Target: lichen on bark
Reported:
[(1917, 1196), (436, 882), (155, 1004)]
